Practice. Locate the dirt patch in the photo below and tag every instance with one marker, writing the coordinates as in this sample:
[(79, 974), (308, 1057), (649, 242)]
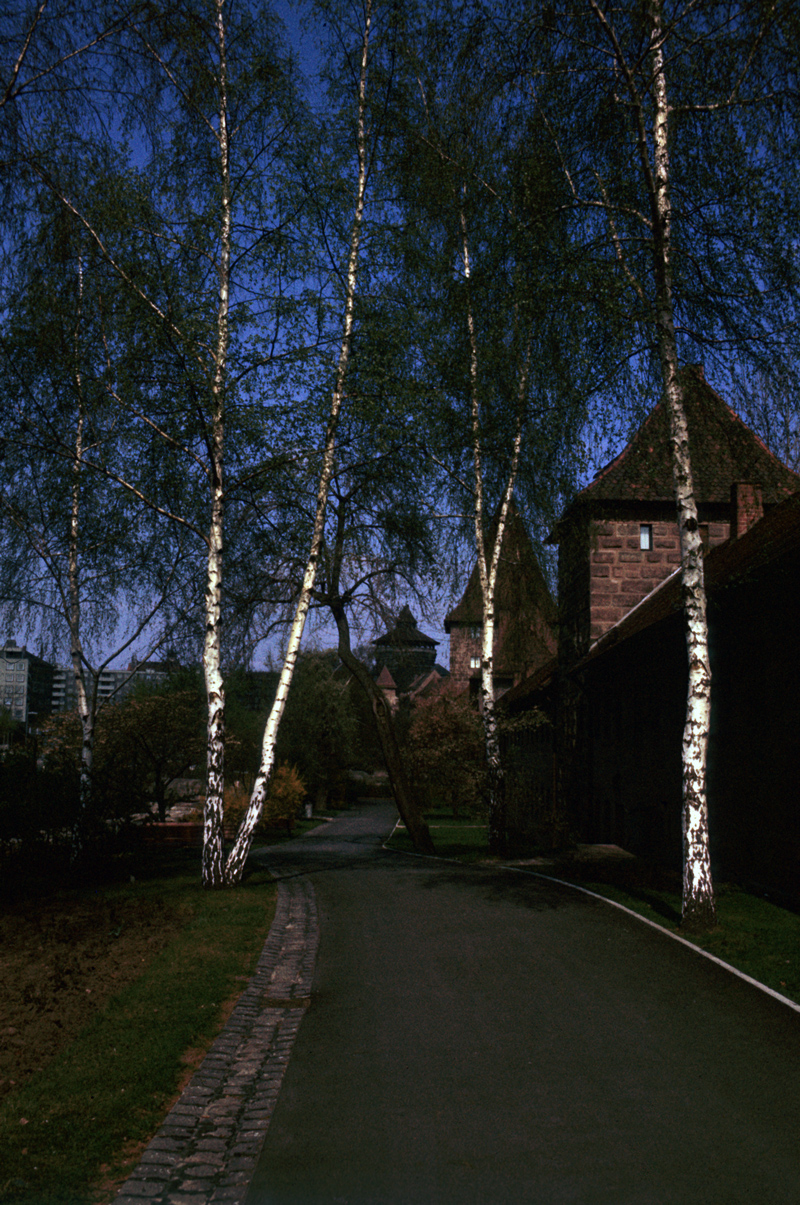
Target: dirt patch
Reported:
[(61, 960)]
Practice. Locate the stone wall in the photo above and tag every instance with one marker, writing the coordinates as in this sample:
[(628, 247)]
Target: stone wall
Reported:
[(622, 573), (463, 647)]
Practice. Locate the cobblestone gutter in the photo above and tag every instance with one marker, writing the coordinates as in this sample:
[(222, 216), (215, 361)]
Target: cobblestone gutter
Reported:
[(206, 1150)]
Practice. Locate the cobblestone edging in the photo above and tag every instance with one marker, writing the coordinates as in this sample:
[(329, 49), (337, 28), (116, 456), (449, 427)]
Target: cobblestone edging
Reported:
[(207, 1148)]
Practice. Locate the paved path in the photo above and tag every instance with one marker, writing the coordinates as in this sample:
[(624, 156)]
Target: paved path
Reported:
[(477, 1037)]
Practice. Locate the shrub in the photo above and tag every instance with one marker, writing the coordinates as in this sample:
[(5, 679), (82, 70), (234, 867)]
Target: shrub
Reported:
[(446, 754), (286, 794)]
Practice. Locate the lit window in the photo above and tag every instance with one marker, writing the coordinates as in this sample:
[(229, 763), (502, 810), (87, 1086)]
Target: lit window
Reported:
[(646, 536), (474, 663)]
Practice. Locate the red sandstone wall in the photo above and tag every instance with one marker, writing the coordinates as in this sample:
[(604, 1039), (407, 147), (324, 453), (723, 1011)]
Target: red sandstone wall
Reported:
[(462, 648), (622, 573)]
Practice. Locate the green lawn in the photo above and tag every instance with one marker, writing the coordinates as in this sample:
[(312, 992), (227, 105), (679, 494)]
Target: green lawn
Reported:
[(109, 1089), (464, 838)]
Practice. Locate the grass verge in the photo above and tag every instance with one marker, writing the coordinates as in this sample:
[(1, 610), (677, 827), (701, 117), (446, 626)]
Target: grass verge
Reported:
[(755, 936), (84, 1117), (463, 838)]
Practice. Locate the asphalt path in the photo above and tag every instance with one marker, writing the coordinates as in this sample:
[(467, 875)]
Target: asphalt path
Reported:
[(477, 1037)]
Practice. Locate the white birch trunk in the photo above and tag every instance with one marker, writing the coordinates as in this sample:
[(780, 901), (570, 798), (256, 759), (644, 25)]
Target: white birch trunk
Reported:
[(497, 836), (698, 892), (86, 701), (213, 870), (244, 838)]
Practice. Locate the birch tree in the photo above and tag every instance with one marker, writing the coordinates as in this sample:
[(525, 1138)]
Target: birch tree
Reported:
[(500, 355), (205, 262), (238, 854), (643, 105), (80, 567)]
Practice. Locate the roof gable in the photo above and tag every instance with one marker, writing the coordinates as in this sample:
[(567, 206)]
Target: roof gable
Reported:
[(521, 587), (723, 451), (773, 539), (405, 634)]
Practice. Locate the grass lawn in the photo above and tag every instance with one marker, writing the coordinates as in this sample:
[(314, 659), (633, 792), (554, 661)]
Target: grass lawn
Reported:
[(755, 936), (464, 838), (72, 1128)]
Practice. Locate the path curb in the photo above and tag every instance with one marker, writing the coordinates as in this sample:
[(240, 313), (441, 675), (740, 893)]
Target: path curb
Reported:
[(207, 1148)]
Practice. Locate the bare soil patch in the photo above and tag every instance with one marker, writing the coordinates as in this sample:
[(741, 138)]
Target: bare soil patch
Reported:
[(61, 959)]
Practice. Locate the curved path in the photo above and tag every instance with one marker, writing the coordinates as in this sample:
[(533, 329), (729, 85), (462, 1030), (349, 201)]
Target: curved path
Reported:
[(477, 1037)]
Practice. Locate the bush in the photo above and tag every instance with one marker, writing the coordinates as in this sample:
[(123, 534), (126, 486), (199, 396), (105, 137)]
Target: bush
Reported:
[(38, 807), (286, 794), (446, 752)]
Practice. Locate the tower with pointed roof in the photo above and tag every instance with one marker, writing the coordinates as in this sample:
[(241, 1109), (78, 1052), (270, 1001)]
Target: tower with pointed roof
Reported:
[(404, 652), (618, 539), (525, 617)]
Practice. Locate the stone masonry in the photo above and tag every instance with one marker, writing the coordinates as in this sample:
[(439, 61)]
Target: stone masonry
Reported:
[(622, 573), (207, 1149)]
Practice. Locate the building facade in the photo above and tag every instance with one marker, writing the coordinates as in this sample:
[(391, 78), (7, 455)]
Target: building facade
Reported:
[(608, 761), (619, 539), (26, 684)]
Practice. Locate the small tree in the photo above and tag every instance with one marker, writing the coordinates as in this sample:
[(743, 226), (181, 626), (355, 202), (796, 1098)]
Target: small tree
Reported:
[(318, 730), (446, 754), (151, 740)]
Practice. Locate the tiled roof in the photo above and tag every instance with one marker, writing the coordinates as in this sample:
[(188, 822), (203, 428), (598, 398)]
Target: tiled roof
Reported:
[(518, 573), (405, 634), (538, 681), (723, 451)]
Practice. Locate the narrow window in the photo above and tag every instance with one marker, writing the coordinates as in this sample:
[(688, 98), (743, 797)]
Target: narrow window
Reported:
[(646, 536), (474, 663)]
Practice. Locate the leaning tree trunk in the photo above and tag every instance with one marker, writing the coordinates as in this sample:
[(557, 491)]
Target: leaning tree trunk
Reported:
[(406, 804), (698, 892), (244, 838)]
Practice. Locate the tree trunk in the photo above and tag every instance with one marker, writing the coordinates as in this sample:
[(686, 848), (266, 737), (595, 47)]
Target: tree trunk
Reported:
[(495, 776), (698, 892), (213, 869), (406, 804), (86, 701), (244, 838)]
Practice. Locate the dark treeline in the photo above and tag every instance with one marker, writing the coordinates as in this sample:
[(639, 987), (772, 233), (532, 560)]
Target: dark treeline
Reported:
[(272, 343)]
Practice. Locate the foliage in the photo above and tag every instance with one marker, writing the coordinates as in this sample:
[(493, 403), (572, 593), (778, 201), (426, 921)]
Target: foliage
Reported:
[(318, 733), (142, 745), (446, 752), (38, 807), (281, 806), (149, 741)]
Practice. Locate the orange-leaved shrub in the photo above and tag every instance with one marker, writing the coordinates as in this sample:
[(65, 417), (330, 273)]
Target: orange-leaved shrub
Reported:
[(284, 800)]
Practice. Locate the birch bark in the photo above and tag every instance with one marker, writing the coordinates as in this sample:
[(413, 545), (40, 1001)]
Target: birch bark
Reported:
[(244, 838), (698, 892), (487, 571), (213, 869), (86, 699)]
